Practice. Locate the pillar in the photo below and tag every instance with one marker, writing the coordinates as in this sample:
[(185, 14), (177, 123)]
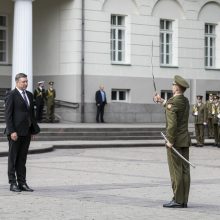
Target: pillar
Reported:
[(22, 41)]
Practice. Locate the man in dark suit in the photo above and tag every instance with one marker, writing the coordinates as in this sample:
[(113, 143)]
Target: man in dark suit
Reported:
[(101, 101), (20, 126)]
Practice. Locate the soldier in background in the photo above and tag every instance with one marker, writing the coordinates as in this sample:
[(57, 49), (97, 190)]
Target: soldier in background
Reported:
[(50, 100), (216, 118), (39, 98), (210, 116), (199, 113)]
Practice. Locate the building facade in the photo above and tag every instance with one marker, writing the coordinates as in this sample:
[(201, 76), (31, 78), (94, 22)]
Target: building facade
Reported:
[(80, 44)]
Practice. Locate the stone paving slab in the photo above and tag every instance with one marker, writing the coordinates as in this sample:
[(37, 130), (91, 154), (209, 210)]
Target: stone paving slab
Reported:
[(110, 184)]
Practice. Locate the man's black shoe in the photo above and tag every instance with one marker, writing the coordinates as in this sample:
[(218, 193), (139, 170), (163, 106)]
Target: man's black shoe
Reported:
[(184, 205), (14, 188), (173, 204), (25, 187)]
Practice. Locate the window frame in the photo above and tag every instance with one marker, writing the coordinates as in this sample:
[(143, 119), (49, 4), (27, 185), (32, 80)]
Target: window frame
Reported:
[(117, 28), (166, 92), (166, 53), (210, 60), (5, 28), (117, 95)]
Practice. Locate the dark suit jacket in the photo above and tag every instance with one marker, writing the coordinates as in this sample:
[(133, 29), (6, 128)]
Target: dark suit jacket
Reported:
[(98, 98), (20, 118)]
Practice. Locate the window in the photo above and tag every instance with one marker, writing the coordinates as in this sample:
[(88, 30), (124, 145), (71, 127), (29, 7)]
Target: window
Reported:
[(117, 38), (120, 95), (166, 94), (3, 39), (166, 39), (210, 38)]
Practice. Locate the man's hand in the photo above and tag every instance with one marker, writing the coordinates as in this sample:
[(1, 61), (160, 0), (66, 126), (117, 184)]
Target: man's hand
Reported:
[(158, 99), (14, 136)]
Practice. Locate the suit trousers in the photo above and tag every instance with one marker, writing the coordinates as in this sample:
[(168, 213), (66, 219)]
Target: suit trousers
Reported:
[(179, 174), (100, 113), (17, 158)]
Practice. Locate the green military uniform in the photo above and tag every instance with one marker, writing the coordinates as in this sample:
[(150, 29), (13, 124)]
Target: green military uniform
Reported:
[(210, 117), (215, 120), (50, 100), (199, 113), (177, 114)]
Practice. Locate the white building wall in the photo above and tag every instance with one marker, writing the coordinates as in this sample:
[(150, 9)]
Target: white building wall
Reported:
[(6, 8), (57, 46)]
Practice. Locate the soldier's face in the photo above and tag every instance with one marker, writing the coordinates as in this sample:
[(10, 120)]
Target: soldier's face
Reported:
[(174, 88), (22, 83)]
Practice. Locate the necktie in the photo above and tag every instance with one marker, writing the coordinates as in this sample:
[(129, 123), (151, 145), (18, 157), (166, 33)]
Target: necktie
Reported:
[(25, 98)]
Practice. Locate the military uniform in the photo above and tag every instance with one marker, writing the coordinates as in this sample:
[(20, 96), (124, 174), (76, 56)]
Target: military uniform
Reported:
[(199, 113), (210, 116), (177, 114), (50, 99), (39, 98), (216, 120)]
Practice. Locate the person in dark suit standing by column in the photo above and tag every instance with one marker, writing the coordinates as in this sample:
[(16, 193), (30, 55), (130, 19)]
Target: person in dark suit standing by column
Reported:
[(101, 101), (20, 126)]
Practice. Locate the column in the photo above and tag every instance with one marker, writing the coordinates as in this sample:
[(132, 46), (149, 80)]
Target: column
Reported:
[(22, 41), (193, 91)]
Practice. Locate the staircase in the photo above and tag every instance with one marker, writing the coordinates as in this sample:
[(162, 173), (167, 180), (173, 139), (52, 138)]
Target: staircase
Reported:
[(94, 134), (90, 132)]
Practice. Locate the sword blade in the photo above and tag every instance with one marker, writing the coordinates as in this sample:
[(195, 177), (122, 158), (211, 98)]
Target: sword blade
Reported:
[(152, 67), (177, 152)]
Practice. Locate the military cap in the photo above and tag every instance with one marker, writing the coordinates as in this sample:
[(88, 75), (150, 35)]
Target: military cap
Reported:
[(41, 82), (180, 81), (51, 83), (199, 96), (210, 94)]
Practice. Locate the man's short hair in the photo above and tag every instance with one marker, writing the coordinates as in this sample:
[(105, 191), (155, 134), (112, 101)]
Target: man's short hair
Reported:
[(20, 75)]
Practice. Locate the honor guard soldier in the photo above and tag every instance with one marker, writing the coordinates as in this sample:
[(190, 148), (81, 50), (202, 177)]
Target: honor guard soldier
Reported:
[(39, 98), (177, 115), (210, 116), (216, 118), (199, 113), (50, 99)]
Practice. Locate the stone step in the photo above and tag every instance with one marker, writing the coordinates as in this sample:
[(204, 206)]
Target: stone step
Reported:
[(122, 133), (98, 130), (88, 138)]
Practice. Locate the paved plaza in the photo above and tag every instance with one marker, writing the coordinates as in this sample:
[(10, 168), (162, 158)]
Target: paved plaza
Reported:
[(110, 184)]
